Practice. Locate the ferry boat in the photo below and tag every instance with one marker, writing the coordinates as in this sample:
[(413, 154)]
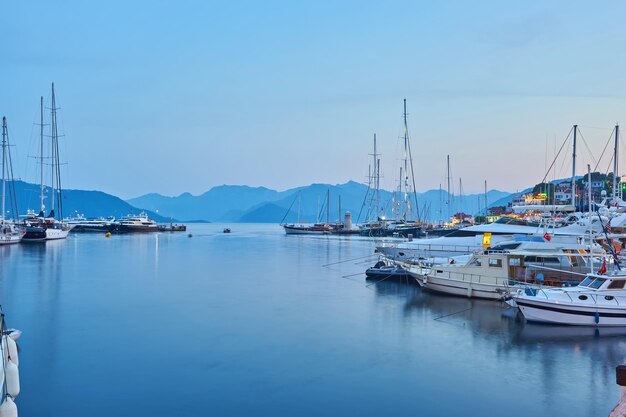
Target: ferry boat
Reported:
[(599, 300), (137, 223)]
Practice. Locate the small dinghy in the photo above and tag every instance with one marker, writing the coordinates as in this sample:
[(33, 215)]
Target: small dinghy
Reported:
[(227, 230), (384, 271)]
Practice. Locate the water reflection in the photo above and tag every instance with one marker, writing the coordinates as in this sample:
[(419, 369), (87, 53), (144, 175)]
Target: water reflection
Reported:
[(558, 359)]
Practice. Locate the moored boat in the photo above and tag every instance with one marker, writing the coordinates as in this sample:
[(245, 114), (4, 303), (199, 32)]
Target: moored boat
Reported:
[(41, 227), (387, 271), (80, 224), (491, 274), (9, 232), (137, 224), (599, 300), (307, 229)]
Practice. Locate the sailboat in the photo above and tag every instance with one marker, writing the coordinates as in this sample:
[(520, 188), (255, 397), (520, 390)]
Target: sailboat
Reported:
[(9, 231), (401, 224), (41, 227), (303, 228)]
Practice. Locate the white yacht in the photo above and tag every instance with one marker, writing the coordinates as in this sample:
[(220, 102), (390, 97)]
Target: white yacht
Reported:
[(137, 223), (468, 239), (599, 300)]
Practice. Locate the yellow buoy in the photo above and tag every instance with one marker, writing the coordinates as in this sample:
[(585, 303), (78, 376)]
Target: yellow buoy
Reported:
[(107, 234)]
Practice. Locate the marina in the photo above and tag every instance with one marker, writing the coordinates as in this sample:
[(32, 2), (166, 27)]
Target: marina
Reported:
[(313, 209), (343, 336)]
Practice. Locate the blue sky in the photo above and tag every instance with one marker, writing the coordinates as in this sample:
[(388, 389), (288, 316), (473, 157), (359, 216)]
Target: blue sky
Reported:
[(181, 96)]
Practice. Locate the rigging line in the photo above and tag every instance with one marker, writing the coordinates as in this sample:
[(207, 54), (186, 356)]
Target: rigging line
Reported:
[(557, 155), (452, 314), (352, 275), (358, 219), (349, 260), (12, 191), (417, 209), (604, 150), (587, 146), (608, 167), (289, 209)]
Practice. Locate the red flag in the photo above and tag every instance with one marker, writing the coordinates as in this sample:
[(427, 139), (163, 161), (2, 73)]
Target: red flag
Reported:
[(547, 237), (602, 269)]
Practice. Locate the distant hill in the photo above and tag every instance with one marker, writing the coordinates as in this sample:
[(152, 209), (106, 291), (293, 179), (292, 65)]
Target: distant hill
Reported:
[(237, 203), (87, 203), (223, 203)]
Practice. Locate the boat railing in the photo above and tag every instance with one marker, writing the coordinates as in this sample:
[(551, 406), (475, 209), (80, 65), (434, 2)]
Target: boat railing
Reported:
[(474, 278), (594, 297), (444, 248)]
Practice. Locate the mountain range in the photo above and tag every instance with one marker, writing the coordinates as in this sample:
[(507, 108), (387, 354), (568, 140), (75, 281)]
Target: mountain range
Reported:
[(240, 203), (87, 203)]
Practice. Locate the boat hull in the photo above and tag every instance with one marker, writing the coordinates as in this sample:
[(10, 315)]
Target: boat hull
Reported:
[(9, 239), (464, 288), (136, 229), (540, 311), (79, 228), (295, 230)]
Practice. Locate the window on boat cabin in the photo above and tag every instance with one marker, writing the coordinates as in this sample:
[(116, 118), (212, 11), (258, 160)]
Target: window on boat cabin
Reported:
[(515, 261), (507, 246), (475, 262), (585, 282), (597, 283), (616, 284), (495, 262), (542, 259)]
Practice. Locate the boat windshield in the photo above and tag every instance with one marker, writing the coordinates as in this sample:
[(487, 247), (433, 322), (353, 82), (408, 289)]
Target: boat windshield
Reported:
[(597, 283), (515, 222), (585, 282)]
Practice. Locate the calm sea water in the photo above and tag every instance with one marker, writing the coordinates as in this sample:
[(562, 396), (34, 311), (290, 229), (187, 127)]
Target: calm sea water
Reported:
[(259, 323)]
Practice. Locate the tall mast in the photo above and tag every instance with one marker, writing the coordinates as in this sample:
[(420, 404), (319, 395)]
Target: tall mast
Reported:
[(574, 169), (460, 195), (485, 197), (448, 178), (401, 212), (440, 205), (406, 167), (615, 165), (590, 224), (4, 160), (53, 126), (376, 179), (328, 206), (41, 206), (339, 219)]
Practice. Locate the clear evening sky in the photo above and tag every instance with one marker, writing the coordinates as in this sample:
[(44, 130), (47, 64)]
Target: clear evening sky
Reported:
[(174, 96)]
